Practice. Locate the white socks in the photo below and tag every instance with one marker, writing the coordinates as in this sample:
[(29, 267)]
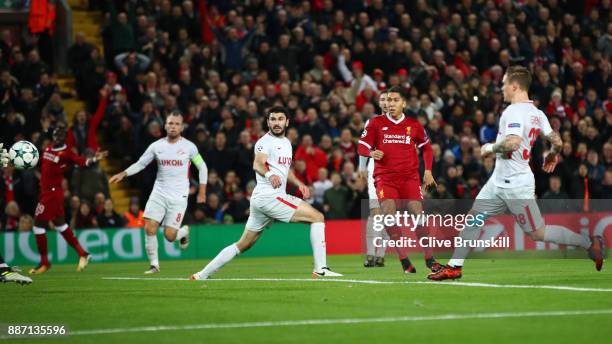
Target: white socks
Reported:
[(181, 233), (4, 265), (459, 254), (151, 248), (370, 236), (564, 236), (317, 240), (227, 254)]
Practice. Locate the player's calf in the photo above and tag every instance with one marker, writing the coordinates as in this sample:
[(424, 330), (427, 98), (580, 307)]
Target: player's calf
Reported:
[(248, 239)]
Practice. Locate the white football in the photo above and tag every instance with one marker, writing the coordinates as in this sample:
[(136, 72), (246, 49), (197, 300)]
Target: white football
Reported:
[(23, 155)]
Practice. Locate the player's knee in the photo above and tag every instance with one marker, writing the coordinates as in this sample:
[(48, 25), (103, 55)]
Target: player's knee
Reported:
[(317, 216), (388, 208), (537, 235), (170, 234)]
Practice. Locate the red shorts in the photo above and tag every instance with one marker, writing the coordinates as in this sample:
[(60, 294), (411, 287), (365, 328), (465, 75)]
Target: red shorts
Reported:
[(50, 206), (398, 188)]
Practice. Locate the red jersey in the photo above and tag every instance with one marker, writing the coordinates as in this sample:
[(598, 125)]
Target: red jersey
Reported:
[(398, 140), (54, 163)]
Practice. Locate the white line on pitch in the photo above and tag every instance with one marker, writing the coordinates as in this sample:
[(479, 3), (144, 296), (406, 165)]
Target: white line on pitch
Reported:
[(454, 283), (307, 322)]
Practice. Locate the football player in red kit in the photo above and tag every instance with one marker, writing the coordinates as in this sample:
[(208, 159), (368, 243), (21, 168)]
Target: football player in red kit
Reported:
[(56, 159), (393, 140)]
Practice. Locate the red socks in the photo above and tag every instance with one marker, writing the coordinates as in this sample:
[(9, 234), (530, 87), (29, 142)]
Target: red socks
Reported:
[(72, 241), (41, 243)]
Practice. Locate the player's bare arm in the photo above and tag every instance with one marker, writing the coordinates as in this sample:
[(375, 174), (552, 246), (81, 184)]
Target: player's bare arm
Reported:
[(291, 178), (556, 143), (100, 155), (552, 158), (427, 153), (117, 177), (509, 144), (199, 163), (428, 179), (259, 165), (136, 167)]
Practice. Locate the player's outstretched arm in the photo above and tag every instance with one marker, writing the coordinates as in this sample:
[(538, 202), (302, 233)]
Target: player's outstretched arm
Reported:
[(552, 158), (136, 167)]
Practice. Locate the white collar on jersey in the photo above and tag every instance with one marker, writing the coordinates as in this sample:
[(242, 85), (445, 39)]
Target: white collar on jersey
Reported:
[(177, 141), (395, 121), (274, 136)]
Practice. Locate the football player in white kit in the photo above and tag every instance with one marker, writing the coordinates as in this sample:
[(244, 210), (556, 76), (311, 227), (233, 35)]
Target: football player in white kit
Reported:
[(269, 201), (512, 185), (168, 201), (375, 256)]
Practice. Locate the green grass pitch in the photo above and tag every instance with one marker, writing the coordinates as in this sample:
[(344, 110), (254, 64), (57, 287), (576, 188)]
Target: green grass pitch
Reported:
[(287, 311)]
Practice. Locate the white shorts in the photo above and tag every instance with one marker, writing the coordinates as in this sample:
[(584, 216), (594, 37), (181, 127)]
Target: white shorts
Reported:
[(493, 200), (372, 193), (266, 208), (160, 208)]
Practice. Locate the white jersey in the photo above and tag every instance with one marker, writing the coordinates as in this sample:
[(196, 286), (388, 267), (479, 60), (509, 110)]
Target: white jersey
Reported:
[(280, 154), (173, 162), (526, 121)]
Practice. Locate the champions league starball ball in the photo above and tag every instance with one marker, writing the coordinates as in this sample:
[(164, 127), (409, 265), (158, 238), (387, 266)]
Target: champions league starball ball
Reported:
[(23, 155)]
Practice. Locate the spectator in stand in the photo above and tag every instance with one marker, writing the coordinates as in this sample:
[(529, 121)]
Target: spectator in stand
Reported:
[(239, 207), (85, 217), (220, 155), (87, 182), (109, 218), (348, 146), (134, 217), (10, 220), (26, 223), (213, 209), (314, 157), (83, 132), (98, 203), (554, 189), (321, 185), (337, 199)]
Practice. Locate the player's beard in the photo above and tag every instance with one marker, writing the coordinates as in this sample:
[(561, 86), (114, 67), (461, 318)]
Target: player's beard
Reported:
[(281, 134)]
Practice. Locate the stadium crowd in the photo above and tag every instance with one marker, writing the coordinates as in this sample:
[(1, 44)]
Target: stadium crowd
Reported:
[(223, 63)]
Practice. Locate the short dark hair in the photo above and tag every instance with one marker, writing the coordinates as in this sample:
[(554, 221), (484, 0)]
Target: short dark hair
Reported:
[(520, 75), (176, 114), (397, 89), (277, 109)]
